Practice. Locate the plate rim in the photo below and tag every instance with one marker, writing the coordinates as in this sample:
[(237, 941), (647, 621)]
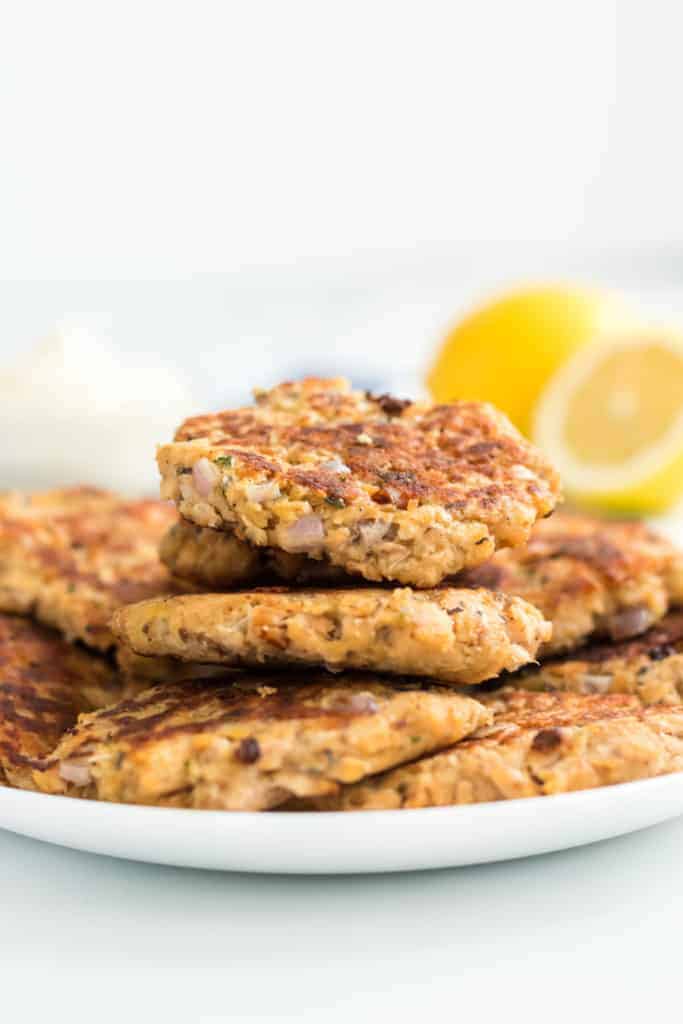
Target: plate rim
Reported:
[(339, 842), (593, 793)]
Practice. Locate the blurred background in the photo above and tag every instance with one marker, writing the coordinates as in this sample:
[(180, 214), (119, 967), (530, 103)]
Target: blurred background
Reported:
[(195, 199)]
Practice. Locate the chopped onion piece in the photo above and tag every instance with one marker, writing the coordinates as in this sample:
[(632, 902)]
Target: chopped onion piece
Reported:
[(356, 704), (268, 491), (204, 476), (335, 466), (372, 531), (305, 534), (597, 683), (630, 622), (75, 772)]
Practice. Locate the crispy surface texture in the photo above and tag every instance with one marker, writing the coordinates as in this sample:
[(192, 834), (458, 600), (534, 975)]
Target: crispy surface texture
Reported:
[(538, 744), (589, 577), (457, 636), (252, 744), (648, 666), (70, 557), (45, 683), (381, 487)]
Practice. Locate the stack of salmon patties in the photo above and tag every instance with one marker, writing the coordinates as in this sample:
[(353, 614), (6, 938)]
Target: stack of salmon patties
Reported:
[(358, 602), (317, 528)]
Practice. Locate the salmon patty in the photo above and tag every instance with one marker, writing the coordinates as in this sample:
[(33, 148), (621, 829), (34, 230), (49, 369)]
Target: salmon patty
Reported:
[(649, 666), (70, 557), (45, 683), (378, 486), (453, 635), (219, 560), (589, 577), (538, 744), (252, 744)]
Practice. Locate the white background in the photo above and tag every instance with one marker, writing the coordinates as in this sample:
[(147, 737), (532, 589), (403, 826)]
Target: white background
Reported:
[(242, 191), (245, 190), (237, 190), (155, 139)]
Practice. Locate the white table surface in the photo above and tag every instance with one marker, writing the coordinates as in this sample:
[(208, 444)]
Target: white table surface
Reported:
[(91, 938)]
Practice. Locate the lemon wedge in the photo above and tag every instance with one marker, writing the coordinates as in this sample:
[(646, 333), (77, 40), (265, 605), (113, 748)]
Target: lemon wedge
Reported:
[(506, 351), (611, 420)]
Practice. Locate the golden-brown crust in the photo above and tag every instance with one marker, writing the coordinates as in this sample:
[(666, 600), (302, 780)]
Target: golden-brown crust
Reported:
[(317, 448), (516, 710), (649, 667), (588, 576), (454, 635), (45, 683), (538, 744), (416, 452), (251, 744), (70, 557)]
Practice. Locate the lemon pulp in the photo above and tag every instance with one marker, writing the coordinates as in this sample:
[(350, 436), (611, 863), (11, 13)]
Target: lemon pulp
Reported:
[(611, 419), (628, 404)]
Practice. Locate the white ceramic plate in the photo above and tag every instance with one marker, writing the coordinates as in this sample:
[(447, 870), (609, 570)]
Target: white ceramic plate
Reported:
[(343, 843)]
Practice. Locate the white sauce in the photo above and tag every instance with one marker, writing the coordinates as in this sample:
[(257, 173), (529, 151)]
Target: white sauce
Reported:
[(72, 412)]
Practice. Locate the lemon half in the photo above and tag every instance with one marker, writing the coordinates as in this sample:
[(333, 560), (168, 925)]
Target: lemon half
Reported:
[(611, 420), (506, 350)]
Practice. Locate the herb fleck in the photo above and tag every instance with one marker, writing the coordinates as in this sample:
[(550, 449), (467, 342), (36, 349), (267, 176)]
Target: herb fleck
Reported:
[(223, 460), (335, 502)]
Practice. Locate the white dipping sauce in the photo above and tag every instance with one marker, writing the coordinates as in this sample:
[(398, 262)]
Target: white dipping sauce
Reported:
[(71, 413)]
